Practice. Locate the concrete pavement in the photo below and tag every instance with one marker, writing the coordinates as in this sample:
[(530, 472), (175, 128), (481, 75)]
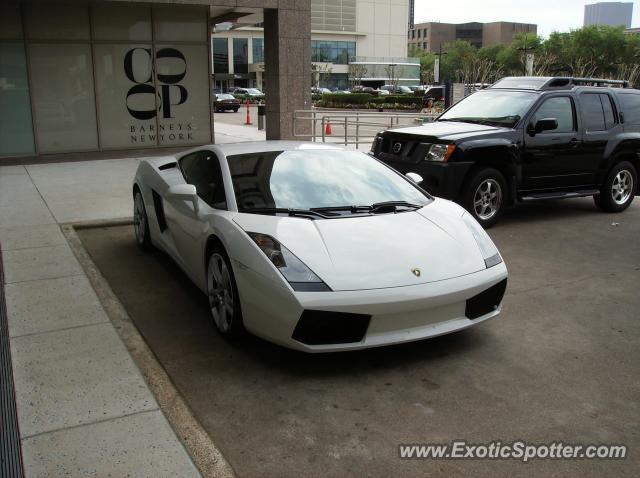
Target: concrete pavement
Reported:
[(83, 405)]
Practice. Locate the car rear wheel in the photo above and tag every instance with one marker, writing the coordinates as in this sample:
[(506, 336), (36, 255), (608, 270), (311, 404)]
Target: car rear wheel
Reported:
[(222, 292), (619, 188), (140, 221), (485, 196)]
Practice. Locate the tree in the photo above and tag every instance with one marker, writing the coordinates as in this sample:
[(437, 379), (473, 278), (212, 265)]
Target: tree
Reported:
[(392, 75), (356, 73), (318, 69)]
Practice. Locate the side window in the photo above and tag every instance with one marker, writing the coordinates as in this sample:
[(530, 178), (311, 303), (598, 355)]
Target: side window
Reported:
[(630, 107), (202, 169), (560, 108), (592, 113), (607, 106)]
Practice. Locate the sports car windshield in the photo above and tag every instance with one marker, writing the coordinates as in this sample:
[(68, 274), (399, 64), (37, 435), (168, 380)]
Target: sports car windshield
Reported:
[(494, 108), (316, 179)]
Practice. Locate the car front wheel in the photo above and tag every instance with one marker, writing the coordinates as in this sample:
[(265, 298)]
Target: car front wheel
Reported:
[(140, 221), (222, 292), (619, 188), (485, 195)]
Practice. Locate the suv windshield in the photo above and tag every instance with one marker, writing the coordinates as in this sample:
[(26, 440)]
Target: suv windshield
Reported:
[(312, 179), (496, 108)]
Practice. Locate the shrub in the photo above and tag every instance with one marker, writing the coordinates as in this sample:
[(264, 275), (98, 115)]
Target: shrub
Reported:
[(341, 100)]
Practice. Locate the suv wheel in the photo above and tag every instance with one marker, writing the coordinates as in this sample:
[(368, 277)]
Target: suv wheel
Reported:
[(619, 188), (485, 196)]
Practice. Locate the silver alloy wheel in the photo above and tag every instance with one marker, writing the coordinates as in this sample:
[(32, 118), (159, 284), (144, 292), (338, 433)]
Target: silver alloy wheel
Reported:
[(622, 187), (139, 218), (220, 292), (487, 199)]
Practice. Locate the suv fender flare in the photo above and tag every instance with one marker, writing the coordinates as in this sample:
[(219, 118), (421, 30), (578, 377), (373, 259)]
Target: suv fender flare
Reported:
[(622, 147), (498, 153)]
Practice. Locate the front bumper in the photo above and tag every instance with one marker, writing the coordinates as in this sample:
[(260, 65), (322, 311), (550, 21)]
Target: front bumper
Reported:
[(443, 180), (398, 314)]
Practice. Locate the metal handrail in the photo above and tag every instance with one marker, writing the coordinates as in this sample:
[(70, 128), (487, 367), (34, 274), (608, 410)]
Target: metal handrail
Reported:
[(356, 120)]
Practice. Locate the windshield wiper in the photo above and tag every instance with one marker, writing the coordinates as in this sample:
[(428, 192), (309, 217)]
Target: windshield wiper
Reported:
[(390, 206), (311, 214), (386, 206)]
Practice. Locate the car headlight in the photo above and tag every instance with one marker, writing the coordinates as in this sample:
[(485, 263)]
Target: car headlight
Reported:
[(299, 276), (440, 152), (487, 247)]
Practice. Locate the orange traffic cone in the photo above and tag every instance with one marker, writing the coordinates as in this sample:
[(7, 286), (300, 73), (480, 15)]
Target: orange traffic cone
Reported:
[(327, 130)]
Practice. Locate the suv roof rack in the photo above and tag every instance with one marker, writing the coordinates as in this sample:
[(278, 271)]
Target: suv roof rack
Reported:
[(554, 83)]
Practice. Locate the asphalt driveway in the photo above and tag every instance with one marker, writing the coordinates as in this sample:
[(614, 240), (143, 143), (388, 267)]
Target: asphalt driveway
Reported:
[(562, 362)]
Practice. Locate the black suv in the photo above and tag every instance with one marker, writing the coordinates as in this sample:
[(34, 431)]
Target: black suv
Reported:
[(526, 138)]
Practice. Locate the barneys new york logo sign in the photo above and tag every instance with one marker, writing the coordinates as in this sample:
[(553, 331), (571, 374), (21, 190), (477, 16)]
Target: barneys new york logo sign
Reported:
[(167, 87)]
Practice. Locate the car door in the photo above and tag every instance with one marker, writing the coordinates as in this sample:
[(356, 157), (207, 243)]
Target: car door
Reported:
[(550, 158), (598, 118), (202, 169)]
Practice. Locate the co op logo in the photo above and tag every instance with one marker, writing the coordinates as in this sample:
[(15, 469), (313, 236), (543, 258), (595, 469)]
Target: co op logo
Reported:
[(167, 84)]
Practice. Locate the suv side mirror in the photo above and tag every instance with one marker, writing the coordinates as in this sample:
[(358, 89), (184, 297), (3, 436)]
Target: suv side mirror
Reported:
[(185, 192), (545, 124)]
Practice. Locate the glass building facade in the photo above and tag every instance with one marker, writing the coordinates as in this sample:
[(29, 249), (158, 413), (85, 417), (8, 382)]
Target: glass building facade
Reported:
[(90, 77)]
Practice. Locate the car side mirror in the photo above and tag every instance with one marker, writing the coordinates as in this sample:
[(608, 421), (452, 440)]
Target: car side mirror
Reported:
[(185, 192), (545, 124), (415, 177)]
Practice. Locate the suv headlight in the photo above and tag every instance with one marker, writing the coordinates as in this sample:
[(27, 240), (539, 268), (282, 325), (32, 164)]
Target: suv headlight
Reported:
[(440, 152), (299, 276), (487, 247)]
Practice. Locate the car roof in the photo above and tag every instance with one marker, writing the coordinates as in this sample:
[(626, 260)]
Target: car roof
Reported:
[(231, 149)]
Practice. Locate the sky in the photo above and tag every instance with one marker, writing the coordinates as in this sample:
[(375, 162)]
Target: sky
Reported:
[(549, 15)]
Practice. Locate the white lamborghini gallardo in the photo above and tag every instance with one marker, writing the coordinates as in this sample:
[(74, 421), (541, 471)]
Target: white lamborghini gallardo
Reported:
[(315, 247)]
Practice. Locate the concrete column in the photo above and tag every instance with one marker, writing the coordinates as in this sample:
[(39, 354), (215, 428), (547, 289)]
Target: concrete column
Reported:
[(287, 51)]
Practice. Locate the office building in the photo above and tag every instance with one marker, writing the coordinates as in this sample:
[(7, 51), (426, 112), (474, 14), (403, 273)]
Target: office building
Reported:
[(609, 13)]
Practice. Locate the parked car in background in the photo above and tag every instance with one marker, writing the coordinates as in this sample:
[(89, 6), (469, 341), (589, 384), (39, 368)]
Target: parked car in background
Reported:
[(396, 90), (382, 92), (250, 92), (319, 90), (436, 92), (525, 139), (225, 102)]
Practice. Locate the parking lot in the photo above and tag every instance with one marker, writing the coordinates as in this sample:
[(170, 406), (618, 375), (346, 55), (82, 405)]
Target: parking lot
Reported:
[(560, 364)]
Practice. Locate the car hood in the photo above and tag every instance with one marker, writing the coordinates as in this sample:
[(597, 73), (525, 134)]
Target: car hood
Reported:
[(379, 251), (446, 129)]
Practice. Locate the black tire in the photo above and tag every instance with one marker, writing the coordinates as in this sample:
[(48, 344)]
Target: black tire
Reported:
[(485, 196), (218, 290), (141, 221), (235, 110), (619, 189)]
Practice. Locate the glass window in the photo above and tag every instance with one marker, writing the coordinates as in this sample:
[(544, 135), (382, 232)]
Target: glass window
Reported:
[(126, 95), (630, 107), (121, 22), (592, 113), (57, 21), (305, 179), (240, 55), (560, 108), (258, 50), (182, 83), (609, 117), (10, 21), (202, 169), (63, 97), (220, 50), (493, 107), (180, 24), (16, 132)]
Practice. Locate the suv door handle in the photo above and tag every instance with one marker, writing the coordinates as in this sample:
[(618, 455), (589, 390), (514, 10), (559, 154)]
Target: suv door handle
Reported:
[(574, 142)]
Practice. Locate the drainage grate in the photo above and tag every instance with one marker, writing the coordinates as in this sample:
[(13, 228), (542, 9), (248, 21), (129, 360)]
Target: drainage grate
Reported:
[(10, 452)]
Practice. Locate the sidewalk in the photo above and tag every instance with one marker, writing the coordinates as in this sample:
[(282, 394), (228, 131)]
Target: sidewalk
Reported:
[(83, 405)]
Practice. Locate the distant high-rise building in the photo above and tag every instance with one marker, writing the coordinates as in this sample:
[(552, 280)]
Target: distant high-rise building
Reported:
[(431, 36), (609, 13)]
